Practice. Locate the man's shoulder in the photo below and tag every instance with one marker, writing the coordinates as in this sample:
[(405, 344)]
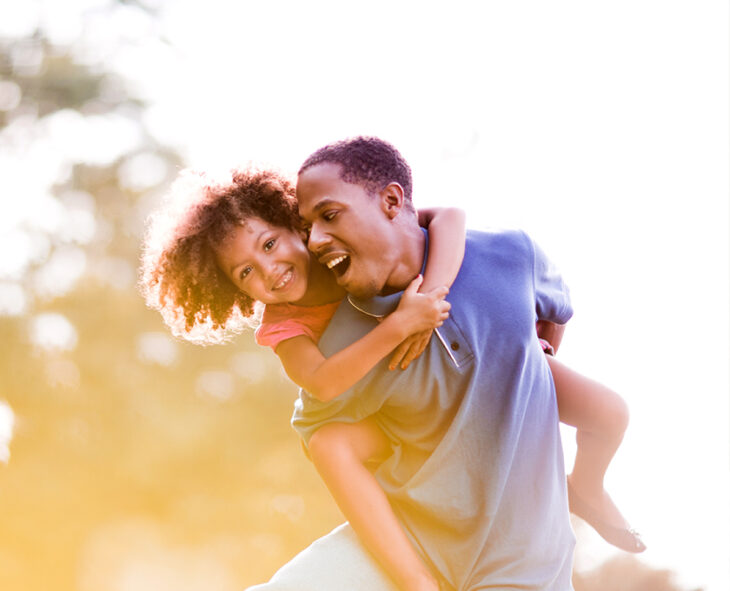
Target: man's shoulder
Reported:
[(494, 260), (497, 241)]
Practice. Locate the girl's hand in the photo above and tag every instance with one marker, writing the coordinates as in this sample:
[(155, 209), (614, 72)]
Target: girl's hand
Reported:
[(417, 311), (410, 349)]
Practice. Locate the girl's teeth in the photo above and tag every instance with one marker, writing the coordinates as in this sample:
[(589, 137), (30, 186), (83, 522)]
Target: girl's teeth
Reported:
[(335, 262), (283, 281)]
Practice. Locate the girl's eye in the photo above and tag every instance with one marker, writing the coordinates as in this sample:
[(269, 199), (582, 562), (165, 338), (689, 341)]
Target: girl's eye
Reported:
[(269, 244), (244, 273), (329, 215)]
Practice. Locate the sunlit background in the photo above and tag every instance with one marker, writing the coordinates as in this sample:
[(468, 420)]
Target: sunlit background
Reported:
[(132, 462)]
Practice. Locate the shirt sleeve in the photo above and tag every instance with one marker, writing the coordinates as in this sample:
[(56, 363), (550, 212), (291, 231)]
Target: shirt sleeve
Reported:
[(270, 334), (286, 321), (552, 296)]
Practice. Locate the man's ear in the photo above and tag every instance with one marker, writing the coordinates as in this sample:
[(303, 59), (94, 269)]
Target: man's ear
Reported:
[(391, 199)]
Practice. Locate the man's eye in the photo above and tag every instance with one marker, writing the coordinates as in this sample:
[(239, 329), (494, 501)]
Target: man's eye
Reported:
[(269, 244), (329, 215), (244, 272)]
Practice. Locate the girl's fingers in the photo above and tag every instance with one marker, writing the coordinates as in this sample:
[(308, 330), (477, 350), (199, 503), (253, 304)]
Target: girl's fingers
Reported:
[(415, 284), (398, 354), (416, 348)]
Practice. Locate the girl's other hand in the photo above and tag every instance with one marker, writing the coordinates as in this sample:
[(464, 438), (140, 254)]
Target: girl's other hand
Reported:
[(410, 349), (422, 311)]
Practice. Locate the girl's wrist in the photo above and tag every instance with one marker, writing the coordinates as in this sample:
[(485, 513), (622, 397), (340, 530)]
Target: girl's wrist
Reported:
[(426, 286), (396, 325)]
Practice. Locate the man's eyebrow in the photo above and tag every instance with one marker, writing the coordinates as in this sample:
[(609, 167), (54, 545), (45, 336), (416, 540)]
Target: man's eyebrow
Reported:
[(322, 204)]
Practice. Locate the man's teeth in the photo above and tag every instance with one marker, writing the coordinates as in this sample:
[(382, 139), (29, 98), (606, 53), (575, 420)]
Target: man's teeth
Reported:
[(335, 262), (283, 281)]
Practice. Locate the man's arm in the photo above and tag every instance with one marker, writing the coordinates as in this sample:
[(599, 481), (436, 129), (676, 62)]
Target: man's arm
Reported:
[(551, 332)]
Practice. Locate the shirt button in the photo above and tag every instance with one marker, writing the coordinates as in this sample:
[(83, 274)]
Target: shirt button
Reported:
[(454, 346)]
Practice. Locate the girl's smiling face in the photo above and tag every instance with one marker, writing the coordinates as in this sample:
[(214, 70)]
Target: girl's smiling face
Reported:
[(268, 263)]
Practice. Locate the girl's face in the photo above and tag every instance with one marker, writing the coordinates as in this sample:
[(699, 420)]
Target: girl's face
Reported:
[(268, 263)]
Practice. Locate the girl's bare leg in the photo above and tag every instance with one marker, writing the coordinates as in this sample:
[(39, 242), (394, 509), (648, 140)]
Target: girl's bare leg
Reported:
[(340, 452), (600, 417)]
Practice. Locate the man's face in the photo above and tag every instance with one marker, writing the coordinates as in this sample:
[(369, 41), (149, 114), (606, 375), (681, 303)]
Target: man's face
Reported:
[(350, 230)]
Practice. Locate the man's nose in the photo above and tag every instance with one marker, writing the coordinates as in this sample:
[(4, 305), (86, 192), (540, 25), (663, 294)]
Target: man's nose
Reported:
[(317, 239)]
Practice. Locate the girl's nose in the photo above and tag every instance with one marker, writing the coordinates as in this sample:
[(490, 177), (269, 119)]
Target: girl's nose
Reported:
[(268, 269)]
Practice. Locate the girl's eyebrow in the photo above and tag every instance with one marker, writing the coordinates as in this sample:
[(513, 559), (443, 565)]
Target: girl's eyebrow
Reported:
[(235, 265)]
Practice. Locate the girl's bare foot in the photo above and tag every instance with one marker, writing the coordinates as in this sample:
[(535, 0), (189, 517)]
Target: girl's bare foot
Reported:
[(594, 505)]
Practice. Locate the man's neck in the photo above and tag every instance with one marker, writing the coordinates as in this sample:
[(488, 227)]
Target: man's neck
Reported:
[(411, 247)]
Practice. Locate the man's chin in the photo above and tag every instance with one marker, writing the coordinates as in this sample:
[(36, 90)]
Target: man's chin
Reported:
[(357, 284), (362, 291)]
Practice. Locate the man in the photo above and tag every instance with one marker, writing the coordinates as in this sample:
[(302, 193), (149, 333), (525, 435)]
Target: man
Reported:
[(476, 475)]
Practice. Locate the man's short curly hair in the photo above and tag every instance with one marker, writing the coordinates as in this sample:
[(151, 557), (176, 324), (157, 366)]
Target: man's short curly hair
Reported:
[(180, 276), (366, 161)]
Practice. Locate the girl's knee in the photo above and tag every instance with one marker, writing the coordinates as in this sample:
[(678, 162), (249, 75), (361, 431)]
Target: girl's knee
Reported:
[(622, 414), (616, 415)]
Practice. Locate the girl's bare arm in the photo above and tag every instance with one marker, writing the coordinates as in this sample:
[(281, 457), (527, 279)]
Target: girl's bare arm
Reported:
[(327, 377), (446, 239), (446, 242)]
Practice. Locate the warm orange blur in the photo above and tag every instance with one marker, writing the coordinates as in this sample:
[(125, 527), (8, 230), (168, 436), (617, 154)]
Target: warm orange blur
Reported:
[(125, 472)]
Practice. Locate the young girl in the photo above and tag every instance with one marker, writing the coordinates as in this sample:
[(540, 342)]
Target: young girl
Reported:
[(224, 246)]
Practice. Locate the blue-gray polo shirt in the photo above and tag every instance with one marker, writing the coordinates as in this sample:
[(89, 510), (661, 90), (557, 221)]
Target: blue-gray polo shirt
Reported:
[(477, 475)]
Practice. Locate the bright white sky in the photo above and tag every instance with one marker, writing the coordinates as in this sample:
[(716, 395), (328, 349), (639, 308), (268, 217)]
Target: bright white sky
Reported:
[(601, 128)]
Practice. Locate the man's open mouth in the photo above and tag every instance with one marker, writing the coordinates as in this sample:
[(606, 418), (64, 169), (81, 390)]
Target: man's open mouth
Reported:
[(339, 265)]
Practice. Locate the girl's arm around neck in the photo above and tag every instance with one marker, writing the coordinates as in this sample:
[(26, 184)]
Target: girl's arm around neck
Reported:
[(446, 238), (326, 378), (446, 241)]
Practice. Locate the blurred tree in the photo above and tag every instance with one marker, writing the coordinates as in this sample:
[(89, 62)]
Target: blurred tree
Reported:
[(119, 428)]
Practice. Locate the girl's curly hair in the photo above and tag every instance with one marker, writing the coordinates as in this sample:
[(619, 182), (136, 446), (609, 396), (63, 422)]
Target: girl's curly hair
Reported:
[(179, 275)]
